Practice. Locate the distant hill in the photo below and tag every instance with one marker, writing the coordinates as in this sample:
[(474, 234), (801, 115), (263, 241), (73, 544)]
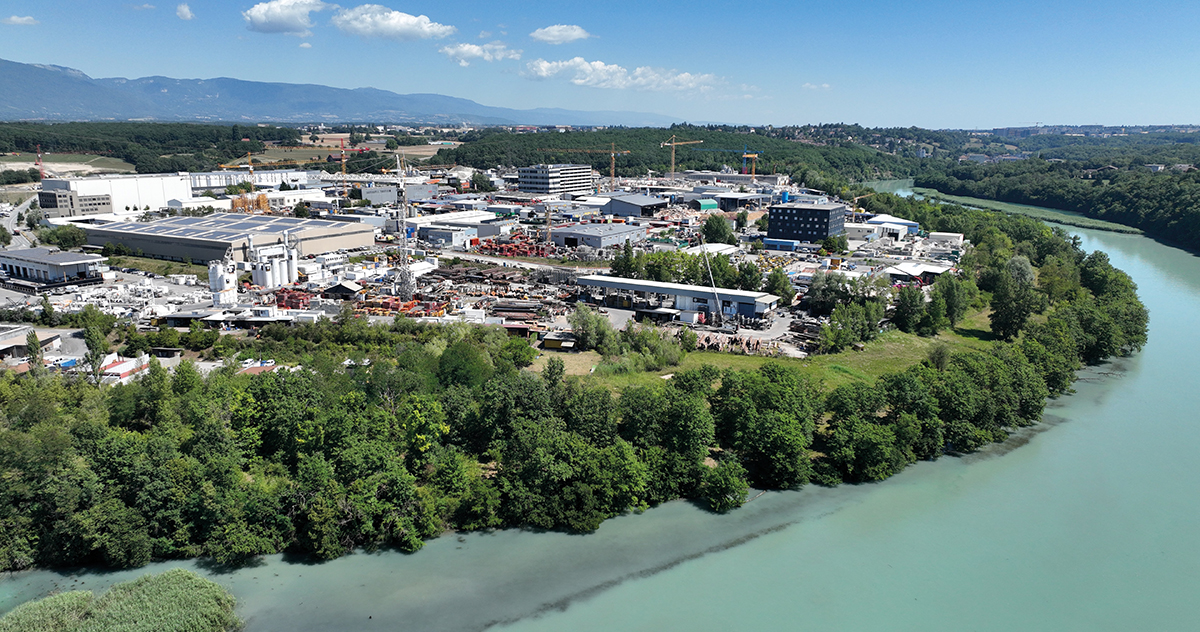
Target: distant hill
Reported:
[(55, 93)]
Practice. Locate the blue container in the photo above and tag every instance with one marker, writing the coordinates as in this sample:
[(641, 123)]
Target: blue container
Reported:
[(785, 197)]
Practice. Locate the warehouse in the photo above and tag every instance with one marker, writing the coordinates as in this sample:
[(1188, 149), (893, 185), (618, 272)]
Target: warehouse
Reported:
[(691, 297), (636, 205), (43, 265), (598, 235), (209, 238)]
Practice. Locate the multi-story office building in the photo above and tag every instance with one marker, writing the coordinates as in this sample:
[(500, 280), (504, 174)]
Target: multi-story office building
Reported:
[(806, 221), (555, 179)]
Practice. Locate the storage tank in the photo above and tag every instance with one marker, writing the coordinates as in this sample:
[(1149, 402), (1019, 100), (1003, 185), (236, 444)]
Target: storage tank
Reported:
[(785, 197)]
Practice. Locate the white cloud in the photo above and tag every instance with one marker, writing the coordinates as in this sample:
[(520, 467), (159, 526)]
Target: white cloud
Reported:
[(283, 16), (373, 20), (141, 7), (815, 86), (305, 45), (184, 12), (560, 34), (485, 34), (464, 54), (20, 21), (597, 74)]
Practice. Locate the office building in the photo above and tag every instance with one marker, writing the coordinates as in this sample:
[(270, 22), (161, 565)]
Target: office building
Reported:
[(555, 179), (806, 221)]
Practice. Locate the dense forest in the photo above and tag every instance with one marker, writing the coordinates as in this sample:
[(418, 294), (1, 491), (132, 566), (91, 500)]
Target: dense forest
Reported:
[(826, 167), (1164, 204), (150, 147), (386, 436)]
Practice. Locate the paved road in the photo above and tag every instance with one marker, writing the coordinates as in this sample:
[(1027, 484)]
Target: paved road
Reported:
[(10, 222)]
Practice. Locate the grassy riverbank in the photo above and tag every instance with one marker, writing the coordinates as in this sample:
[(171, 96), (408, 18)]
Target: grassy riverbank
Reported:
[(1028, 211), (174, 601), (892, 352)]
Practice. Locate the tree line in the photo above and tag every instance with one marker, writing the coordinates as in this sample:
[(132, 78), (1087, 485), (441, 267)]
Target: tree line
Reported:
[(1164, 204), (149, 147)]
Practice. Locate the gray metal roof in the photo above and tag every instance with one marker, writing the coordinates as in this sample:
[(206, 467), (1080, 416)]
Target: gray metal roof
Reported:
[(598, 230), (224, 227), (50, 257), (640, 200)]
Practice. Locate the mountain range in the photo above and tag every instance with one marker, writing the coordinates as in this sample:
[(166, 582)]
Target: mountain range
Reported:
[(54, 93)]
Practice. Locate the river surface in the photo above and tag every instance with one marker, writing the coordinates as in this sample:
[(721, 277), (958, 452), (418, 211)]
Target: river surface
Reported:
[(1089, 521)]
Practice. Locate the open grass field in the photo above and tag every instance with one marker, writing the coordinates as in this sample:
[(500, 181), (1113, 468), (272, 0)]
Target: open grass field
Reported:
[(1069, 219), (73, 163), (159, 266), (16, 197), (891, 352)]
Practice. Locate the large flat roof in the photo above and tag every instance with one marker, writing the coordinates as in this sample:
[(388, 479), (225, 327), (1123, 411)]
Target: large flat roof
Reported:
[(50, 257), (226, 227), (676, 289), (599, 230)]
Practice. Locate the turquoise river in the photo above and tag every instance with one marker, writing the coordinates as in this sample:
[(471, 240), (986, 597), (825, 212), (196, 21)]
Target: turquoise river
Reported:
[(1090, 521)]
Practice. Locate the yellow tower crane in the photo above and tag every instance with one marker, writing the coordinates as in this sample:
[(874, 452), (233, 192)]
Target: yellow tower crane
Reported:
[(674, 143), (613, 153)]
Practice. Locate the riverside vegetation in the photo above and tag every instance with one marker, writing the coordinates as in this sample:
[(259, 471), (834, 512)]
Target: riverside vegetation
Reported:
[(174, 601), (386, 436)]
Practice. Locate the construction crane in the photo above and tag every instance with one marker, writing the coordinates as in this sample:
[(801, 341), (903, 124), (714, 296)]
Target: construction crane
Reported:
[(746, 152), (674, 143), (613, 153), (854, 206)]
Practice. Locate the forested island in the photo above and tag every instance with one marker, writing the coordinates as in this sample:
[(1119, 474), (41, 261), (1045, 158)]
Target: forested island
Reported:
[(387, 436)]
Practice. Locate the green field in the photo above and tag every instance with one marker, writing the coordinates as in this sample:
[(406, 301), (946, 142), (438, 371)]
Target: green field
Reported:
[(159, 266), (1058, 217), (104, 163), (890, 353)]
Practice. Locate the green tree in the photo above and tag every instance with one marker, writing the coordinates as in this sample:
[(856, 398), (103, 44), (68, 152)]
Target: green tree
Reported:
[(779, 284), (717, 231), (97, 348), (480, 182), (1013, 303), (743, 218), (910, 307), (34, 345), (749, 277), (725, 486)]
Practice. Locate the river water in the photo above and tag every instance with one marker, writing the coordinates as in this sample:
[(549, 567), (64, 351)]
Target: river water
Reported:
[(1087, 522)]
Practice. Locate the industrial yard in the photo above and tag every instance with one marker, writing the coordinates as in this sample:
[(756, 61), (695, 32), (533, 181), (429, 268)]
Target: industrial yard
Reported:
[(293, 247)]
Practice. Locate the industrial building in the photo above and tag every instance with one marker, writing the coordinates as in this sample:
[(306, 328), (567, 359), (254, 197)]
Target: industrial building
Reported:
[(67, 203), (598, 235), (45, 266), (863, 232), (636, 205), (555, 179), (736, 178), (691, 297), (806, 221), (211, 237), (909, 226), (125, 192), (381, 196), (263, 179)]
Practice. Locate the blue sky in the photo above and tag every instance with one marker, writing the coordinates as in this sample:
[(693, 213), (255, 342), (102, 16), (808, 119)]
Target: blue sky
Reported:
[(933, 64)]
